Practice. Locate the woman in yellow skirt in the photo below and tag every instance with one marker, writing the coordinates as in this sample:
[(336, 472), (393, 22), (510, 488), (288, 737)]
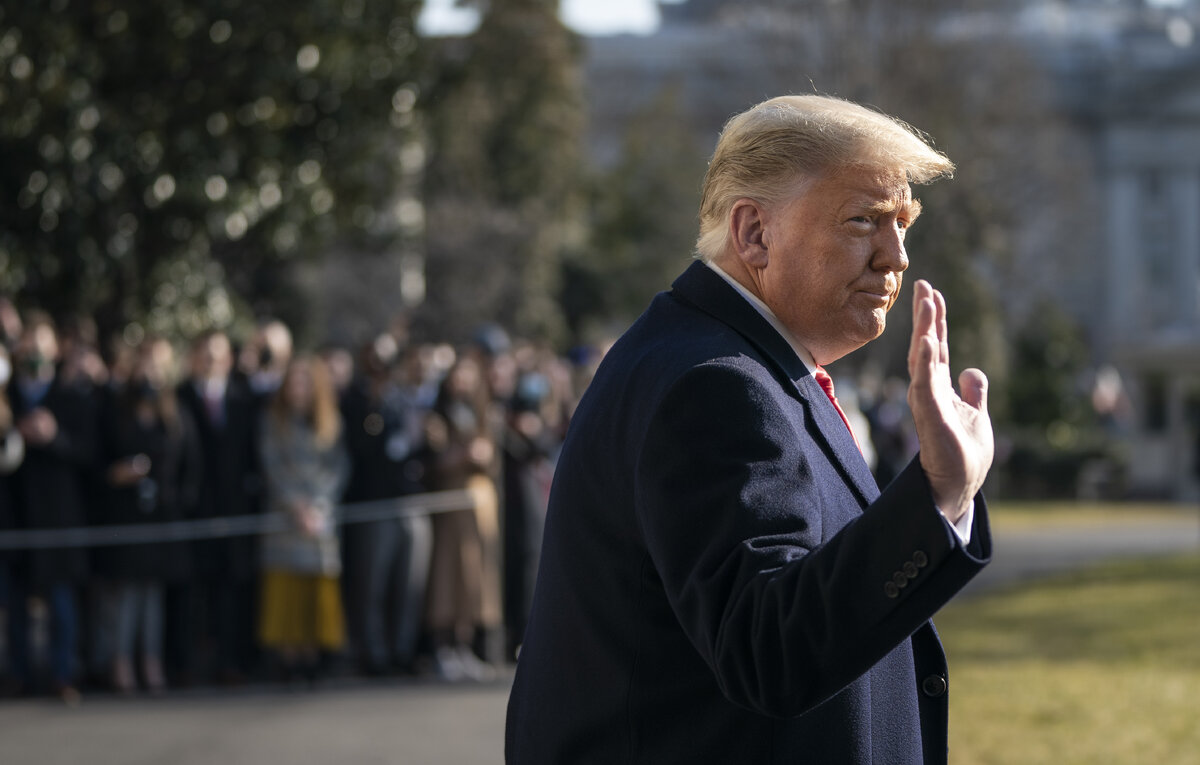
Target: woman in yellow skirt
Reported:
[(305, 465)]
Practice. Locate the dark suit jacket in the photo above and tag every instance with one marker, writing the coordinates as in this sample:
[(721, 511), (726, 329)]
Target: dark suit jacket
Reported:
[(52, 487), (721, 579), (169, 493), (232, 484), (380, 469)]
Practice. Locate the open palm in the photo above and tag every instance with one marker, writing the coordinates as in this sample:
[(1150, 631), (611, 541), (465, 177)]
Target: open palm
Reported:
[(955, 430)]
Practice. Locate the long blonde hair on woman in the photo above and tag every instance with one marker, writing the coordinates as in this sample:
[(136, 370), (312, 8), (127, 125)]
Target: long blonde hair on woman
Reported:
[(322, 415)]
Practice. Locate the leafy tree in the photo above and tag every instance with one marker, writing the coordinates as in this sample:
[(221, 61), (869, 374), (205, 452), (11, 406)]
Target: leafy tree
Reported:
[(1053, 356), (1052, 427), (160, 161)]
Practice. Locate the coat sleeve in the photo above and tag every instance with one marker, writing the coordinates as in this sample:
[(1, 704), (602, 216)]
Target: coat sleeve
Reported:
[(773, 569)]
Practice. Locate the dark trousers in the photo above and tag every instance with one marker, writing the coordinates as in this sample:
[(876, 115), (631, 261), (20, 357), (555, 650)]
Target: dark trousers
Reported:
[(210, 626), (64, 630), (385, 574)]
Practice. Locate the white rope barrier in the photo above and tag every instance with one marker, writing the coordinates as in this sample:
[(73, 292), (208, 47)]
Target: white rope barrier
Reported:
[(230, 526)]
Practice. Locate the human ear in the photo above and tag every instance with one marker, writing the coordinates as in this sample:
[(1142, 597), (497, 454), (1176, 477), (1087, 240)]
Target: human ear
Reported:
[(746, 232)]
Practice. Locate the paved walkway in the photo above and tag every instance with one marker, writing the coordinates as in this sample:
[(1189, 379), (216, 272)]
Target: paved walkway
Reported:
[(353, 723), (418, 723)]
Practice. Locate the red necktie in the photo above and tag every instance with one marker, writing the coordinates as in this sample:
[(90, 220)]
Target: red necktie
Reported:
[(826, 382)]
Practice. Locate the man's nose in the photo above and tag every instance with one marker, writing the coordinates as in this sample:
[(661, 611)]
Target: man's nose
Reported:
[(890, 254)]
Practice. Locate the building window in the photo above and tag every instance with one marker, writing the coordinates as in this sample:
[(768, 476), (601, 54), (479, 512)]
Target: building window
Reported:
[(1159, 234)]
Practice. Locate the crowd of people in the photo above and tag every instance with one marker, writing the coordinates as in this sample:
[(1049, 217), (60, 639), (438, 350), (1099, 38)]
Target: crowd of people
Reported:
[(148, 432)]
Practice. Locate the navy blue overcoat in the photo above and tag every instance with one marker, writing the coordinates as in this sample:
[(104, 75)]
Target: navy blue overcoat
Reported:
[(721, 579)]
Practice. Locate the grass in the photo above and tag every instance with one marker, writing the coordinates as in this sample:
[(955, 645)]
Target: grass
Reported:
[(1097, 667), (1028, 515)]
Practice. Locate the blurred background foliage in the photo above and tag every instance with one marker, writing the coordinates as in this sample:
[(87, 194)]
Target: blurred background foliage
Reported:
[(505, 183), (641, 223), (164, 163)]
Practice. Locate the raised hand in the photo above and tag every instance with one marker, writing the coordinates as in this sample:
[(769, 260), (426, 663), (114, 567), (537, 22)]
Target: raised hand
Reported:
[(955, 431)]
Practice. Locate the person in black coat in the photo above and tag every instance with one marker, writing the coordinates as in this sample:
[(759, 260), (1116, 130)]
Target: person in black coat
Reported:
[(722, 580), (56, 419), (224, 571), (12, 453), (529, 442), (152, 469), (387, 561)]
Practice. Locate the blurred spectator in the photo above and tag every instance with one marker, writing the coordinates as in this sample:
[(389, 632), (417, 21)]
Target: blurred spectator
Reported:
[(1110, 400), (12, 452), (305, 465), (10, 323), (122, 356), (213, 621), (82, 367), (341, 366), (12, 446), (464, 579), (387, 562), (491, 340), (152, 467), (891, 432), (81, 361), (265, 358), (529, 443), (57, 421), (585, 360)]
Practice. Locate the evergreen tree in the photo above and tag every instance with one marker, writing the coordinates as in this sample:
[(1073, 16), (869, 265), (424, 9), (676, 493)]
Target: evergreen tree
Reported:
[(159, 159)]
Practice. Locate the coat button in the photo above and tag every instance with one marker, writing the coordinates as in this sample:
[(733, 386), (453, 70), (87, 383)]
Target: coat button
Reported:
[(934, 686), (900, 579), (891, 590), (910, 570), (921, 559)]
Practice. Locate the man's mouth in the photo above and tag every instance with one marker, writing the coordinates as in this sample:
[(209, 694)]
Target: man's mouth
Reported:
[(883, 297)]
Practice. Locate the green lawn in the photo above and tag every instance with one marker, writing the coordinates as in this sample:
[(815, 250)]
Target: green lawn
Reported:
[(1097, 667)]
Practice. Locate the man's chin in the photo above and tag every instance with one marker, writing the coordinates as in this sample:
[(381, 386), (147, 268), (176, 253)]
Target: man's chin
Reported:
[(872, 326), (847, 344)]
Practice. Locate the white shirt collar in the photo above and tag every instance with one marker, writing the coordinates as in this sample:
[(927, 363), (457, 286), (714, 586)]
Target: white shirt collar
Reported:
[(802, 352)]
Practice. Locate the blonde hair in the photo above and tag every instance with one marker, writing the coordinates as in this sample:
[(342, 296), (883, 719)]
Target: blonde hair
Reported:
[(768, 152), (323, 415)]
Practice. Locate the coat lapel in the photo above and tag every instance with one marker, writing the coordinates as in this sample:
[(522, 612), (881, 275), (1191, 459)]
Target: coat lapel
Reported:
[(838, 439), (700, 286)]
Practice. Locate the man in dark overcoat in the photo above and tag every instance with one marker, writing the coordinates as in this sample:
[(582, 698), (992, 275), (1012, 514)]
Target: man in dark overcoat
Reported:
[(57, 419), (722, 581), (225, 570)]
